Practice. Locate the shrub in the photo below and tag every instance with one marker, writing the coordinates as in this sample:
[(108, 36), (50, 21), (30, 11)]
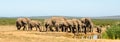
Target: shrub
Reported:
[(113, 32)]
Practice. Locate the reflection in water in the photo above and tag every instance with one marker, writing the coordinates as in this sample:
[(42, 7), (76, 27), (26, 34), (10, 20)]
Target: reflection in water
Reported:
[(88, 36)]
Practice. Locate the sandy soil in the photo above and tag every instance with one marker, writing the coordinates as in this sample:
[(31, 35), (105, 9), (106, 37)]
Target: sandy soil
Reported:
[(10, 34)]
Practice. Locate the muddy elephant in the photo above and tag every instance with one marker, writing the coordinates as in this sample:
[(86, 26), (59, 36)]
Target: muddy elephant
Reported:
[(88, 25), (34, 23), (22, 22)]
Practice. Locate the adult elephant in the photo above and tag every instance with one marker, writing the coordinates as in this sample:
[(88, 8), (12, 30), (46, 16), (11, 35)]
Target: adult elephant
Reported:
[(74, 25), (88, 25), (61, 25), (22, 22), (56, 19), (34, 23), (48, 24), (77, 25), (70, 25), (52, 22)]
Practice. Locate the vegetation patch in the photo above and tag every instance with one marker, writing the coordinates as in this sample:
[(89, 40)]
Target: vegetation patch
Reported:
[(112, 33)]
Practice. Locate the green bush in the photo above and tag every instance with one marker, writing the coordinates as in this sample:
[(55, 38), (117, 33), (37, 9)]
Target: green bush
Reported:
[(112, 32)]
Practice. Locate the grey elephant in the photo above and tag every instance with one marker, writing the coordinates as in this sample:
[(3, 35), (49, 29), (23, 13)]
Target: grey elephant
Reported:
[(48, 24), (51, 22), (77, 25), (99, 30), (88, 25), (34, 23), (70, 25), (62, 25), (22, 22), (73, 25)]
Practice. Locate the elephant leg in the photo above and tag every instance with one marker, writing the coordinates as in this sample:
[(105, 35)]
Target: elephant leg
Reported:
[(24, 27), (63, 29), (85, 30), (46, 28), (18, 27), (39, 28), (66, 29), (50, 28), (73, 31), (91, 30), (56, 29), (70, 29), (30, 28), (77, 31), (36, 28), (59, 29)]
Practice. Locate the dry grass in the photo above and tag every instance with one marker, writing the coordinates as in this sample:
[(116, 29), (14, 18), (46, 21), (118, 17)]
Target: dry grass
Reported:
[(10, 34)]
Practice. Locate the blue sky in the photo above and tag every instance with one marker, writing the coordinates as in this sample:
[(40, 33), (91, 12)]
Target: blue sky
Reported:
[(84, 8)]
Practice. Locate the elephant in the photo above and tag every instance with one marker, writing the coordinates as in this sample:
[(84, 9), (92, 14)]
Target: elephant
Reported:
[(34, 23), (51, 22), (99, 30), (74, 25), (88, 25), (77, 25), (55, 19), (61, 25), (48, 24), (22, 22), (70, 25)]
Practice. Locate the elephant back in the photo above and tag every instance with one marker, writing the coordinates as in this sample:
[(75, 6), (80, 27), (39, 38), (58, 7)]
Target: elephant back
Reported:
[(70, 22), (35, 22)]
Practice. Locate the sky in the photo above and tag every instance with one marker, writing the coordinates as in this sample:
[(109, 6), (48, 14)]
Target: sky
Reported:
[(83, 8)]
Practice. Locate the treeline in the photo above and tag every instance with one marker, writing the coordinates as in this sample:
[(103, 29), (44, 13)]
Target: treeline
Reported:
[(11, 21)]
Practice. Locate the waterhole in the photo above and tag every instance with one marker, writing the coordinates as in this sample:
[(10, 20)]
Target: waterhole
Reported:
[(70, 35), (94, 36)]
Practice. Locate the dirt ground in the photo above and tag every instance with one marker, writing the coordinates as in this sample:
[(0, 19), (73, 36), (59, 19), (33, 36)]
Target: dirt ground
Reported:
[(10, 34)]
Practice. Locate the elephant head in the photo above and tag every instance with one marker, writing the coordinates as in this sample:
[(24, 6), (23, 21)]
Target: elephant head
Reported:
[(88, 25)]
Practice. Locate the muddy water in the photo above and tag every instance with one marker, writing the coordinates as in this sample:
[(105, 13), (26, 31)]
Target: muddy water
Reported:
[(94, 36), (69, 35)]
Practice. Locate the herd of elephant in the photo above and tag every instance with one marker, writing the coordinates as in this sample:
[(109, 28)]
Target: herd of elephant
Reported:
[(60, 24)]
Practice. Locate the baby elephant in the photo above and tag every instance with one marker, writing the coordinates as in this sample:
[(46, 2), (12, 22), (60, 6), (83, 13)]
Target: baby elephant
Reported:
[(35, 24), (99, 30)]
